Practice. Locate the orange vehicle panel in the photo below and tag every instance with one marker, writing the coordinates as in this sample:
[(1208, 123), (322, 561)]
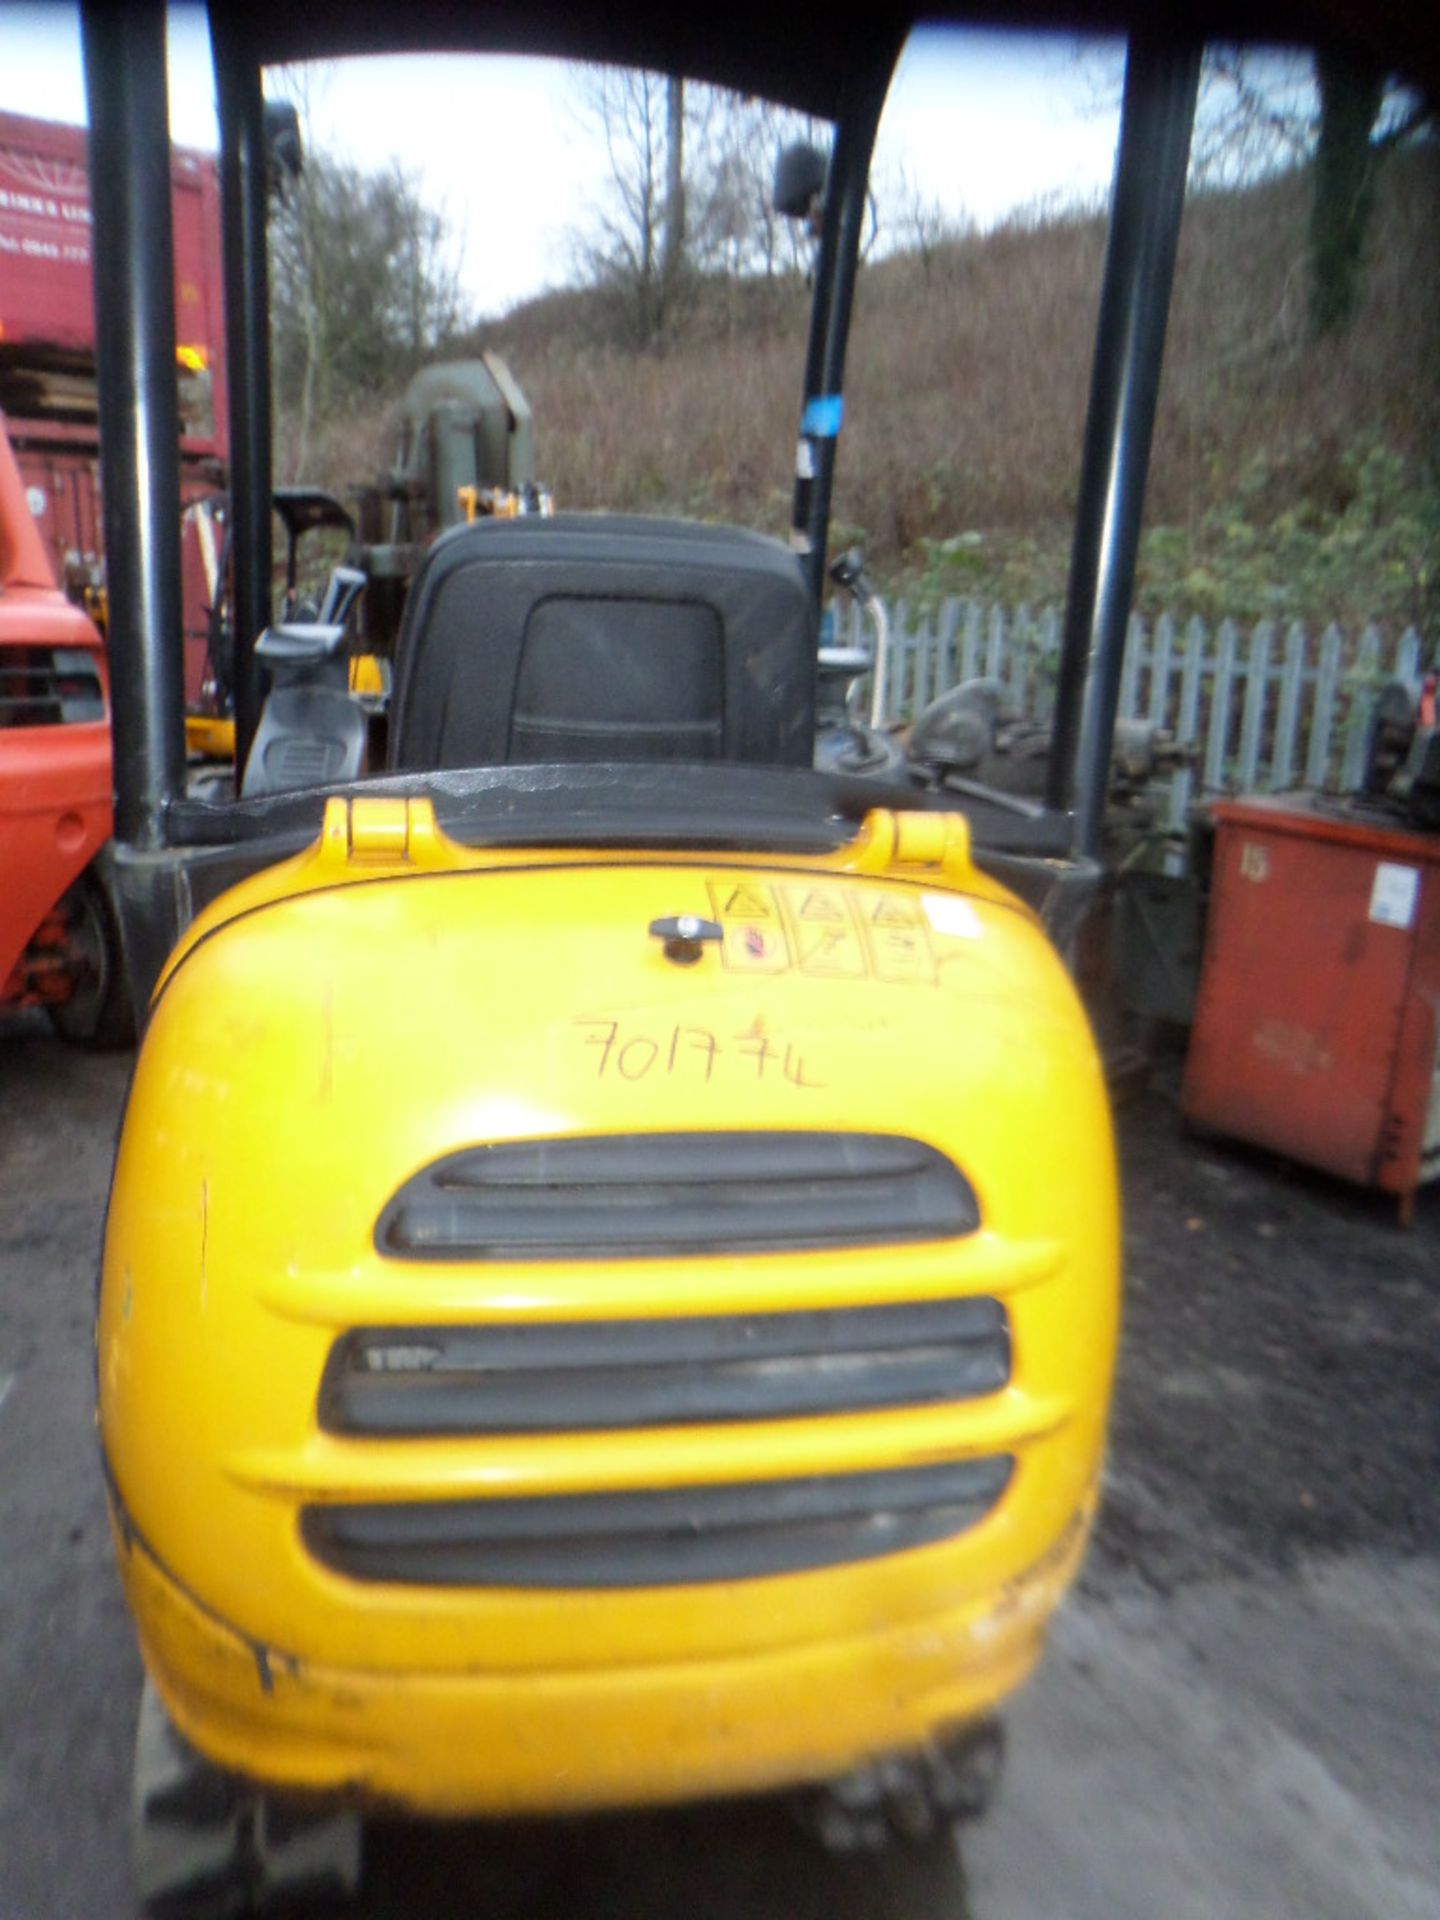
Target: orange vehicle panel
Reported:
[(55, 781)]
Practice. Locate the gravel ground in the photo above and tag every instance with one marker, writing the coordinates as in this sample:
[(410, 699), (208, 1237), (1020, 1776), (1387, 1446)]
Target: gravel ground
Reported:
[(1238, 1714), (1279, 1386)]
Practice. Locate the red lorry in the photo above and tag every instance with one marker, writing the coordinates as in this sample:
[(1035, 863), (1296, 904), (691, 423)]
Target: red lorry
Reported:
[(58, 942), (47, 359)]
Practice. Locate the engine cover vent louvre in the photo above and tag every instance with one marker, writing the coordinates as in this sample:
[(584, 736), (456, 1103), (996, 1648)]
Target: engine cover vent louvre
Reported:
[(616, 1374), (672, 1536), (629, 1196)]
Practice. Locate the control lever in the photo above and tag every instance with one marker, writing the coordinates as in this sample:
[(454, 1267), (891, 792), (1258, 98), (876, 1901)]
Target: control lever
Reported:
[(342, 590)]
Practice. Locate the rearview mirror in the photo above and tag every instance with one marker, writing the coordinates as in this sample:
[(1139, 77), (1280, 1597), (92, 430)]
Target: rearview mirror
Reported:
[(284, 148), (800, 174)]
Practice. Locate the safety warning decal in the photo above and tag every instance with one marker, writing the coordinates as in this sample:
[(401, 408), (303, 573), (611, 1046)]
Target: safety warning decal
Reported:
[(897, 937), (749, 948), (824, 906), (889, 910), (743, 901), (827, 932), (754, 940), (825, 948), (902, 953)]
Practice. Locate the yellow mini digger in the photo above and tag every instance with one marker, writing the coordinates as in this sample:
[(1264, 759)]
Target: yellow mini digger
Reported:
[(610, 1284)]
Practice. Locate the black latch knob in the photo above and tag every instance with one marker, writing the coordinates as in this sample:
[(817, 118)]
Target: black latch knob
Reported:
[(685, 935)]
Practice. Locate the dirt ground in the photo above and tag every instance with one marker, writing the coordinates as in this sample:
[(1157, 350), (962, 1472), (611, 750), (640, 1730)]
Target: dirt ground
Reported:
[(1279, 1387), (1240, 1710)]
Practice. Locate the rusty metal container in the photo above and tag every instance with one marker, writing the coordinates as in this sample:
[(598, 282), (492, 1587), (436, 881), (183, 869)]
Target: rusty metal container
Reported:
[(1316, 1026)]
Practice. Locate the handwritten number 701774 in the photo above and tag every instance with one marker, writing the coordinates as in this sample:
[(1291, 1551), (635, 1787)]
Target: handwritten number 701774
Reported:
[(634, 1054)]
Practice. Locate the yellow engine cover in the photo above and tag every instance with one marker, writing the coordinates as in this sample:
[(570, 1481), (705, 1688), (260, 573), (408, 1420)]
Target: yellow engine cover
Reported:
[(391, 999)]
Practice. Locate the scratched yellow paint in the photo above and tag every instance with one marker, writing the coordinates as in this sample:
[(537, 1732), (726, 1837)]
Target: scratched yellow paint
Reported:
[(388, 997)]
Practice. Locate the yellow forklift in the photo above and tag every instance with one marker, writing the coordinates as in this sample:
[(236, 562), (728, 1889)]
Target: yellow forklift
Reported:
[(611, 1279)]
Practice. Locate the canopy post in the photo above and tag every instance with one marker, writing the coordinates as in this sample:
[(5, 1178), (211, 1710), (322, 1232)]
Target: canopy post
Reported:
[(841, 232), (244, 202), (134, 281), (1161, 82)]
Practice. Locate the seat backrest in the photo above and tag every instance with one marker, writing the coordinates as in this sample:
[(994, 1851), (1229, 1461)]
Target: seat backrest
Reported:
[(603, 637)]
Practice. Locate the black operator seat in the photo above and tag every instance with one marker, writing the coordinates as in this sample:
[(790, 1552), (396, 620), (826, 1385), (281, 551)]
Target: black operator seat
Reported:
[(603, 637)]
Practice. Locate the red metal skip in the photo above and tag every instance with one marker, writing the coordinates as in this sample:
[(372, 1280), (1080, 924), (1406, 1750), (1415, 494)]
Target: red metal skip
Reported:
[(1316, 1025)]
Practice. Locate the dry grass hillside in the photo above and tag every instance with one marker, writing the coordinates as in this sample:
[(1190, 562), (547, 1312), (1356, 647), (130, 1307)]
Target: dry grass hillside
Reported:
[(1289, 475)]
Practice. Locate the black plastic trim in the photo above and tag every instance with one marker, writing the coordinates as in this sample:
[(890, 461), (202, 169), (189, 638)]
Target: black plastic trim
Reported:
[(607, 1374), (666, 1194), (632, 804), (673, 1536)]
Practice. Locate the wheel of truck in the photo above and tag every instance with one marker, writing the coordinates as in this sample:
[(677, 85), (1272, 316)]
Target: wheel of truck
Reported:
[(98, 1014)]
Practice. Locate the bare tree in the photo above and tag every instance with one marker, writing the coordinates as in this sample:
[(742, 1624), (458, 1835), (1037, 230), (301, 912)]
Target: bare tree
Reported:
[(686, 197), (739, 231), (1264, 112), (1255, 116), (622, 247), (365, 284), (1361, 118), (673, 258), (918, 222)]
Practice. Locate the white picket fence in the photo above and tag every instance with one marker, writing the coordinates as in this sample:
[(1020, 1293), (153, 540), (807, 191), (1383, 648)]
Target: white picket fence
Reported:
[(1268, 709)]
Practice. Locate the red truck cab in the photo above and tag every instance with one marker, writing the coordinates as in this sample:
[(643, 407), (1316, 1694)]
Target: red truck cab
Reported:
[(47, 360), (58, 946)]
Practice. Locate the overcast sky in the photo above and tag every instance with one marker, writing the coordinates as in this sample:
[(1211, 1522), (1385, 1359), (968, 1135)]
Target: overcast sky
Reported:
[(982, 124)]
